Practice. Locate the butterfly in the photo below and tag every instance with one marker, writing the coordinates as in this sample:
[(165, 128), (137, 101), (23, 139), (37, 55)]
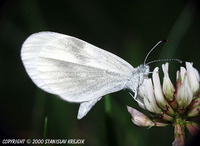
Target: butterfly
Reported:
[(77, 71)]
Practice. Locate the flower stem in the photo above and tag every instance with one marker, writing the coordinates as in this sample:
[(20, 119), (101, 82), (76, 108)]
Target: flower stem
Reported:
[(179, 133)]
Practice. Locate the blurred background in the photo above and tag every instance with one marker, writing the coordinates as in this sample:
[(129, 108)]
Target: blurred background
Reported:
[(126, 28)]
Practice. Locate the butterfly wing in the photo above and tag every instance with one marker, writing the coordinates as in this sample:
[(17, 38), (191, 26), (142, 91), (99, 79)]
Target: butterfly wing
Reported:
[(71, 68)]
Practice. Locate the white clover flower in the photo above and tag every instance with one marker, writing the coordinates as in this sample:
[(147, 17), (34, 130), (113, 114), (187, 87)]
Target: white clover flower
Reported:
[(170, 105)]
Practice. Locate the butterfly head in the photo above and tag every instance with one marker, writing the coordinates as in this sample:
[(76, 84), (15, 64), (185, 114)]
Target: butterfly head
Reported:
[(144, 69)]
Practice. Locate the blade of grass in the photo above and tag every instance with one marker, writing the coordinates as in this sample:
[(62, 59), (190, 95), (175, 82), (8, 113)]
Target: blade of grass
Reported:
[(38, 112), (110, 132), (45, 130), (107, 105)]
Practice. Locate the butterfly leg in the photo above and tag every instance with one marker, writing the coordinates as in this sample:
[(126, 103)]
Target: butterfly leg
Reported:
[(135, 97)]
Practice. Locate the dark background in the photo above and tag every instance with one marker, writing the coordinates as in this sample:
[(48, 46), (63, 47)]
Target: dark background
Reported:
[(126, 28)]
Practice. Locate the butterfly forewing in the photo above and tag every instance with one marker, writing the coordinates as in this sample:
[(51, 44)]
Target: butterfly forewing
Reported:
[(73, 69)]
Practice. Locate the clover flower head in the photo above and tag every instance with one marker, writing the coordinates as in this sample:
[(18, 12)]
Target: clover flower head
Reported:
[(169, 105)]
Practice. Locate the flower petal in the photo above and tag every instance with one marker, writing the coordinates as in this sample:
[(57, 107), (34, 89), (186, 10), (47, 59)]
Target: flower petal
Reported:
[(148, 105), (160, 124), (150, 95), (168, 87), (158, 90), (139, 118), (182, 73), (194, 111), (192, 127), (193, 77), (184, 94), (143, 93)]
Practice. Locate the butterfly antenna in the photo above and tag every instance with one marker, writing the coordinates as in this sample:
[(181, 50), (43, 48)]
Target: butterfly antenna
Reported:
[(153, 49), (178, 60)]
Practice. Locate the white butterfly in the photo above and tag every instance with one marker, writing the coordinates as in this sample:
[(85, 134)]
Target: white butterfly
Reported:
[(77, 71)]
